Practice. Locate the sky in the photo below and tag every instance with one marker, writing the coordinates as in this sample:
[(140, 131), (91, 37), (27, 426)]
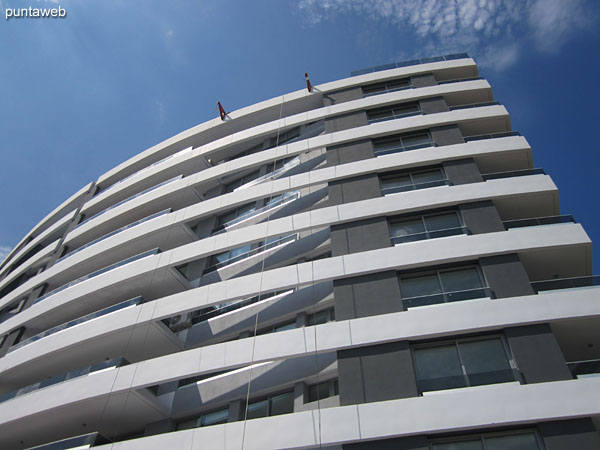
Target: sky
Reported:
[(81, 94)]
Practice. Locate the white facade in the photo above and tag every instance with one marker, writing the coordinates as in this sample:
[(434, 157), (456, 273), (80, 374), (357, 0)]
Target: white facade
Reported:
[(373, 264)]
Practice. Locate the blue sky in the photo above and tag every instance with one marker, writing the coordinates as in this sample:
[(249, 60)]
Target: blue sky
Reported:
[(84, 93)]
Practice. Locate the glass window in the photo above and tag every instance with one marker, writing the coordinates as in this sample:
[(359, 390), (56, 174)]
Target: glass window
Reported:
[(258, 409), (233, 185), (214, 418), (393, 112), (389, 86), (442, 286), (521, 441), (322, 390), (462, 363), (320, 317), (438, 368), (425, 227), (238, 212), (391, 184), (271, 406)]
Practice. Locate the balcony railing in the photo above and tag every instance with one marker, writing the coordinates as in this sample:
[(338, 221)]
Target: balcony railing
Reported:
[(181, 152), (566, 283), (413, 62), (248, 254), (413, 187), (72, 323), (154, 251), (288, 197), (480, 137), (458, 80), (472, 105), (446, 297), (75, 443), (271, 175), (139, 194), (429, 235), (512, 173), (112, 233), (387, 91), (583, 369), (401, 148), (396, 116), (108, 364), (537, 221)]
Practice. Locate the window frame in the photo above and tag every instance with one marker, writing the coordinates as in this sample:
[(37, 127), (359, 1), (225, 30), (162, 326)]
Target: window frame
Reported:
[(393, 114), (483, 436), (198, 420), (423, 216), (384, 87), (401, 147), (332, 387), (424, 273), (444, 181), (269, 398), (456, 341)]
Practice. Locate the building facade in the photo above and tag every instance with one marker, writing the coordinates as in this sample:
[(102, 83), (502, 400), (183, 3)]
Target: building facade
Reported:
[(371, 264)]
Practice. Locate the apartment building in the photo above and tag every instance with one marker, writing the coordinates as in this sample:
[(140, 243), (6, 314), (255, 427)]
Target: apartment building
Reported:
[(371, 263)]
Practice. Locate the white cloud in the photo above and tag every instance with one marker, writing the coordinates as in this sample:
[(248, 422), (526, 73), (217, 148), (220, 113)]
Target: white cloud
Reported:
[(4, 251), (491, 29)]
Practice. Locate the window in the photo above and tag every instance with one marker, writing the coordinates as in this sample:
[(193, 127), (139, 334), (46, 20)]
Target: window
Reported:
[(393, 112), (234, 216), (442, 286), (271, 406), (462, 363), (388, 86), (429, 226), (205, 420), (520, 441), (402, 143), (327, 315), (291, 325), (284, 137), (402, 182), (235, 184), (223, 259), (323, 390)]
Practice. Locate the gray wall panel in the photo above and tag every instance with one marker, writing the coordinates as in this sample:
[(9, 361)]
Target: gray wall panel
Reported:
[(462, 171), (349, 152), (346, 95), (506, 276), (346, 122), (577, 434), (354, 189), (447, 135), (360, 236), (537, 353)]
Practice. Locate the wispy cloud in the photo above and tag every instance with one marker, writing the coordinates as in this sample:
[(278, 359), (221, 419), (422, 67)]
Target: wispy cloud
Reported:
[(4, 251), (482, 27)]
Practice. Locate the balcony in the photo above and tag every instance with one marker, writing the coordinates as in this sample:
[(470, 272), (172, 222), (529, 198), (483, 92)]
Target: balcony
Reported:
[(413, 62), (585, 369), (566, 283), (480, 137), (72, 323), (473, 105), (538, 221), (512, 173), (229, 259), (96, 273), (104, 365)]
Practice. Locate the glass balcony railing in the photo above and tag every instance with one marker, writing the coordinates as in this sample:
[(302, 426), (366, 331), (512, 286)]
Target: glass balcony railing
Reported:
[(112, 233), (181, 152), (288, 197), (75, 443), (480, 137), (585, 369), (271, 175), (401, 148), (537, 221), (446, 297), (104, 365), (566, 283), (72, 323), (429, 235), (260, 249), (413, 187), (413, 62), (472, 105), (458, 80), (139, 194), (394, 116), (387, 90), (154, 251), (512, 173)]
